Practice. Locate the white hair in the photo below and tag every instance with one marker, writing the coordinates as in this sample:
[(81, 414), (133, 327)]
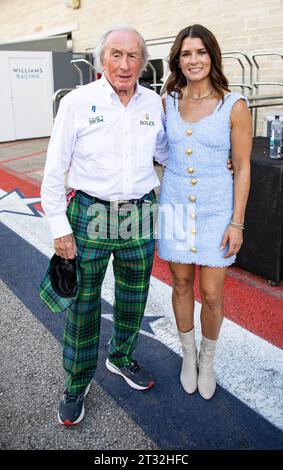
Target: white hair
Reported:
[(100, 47)]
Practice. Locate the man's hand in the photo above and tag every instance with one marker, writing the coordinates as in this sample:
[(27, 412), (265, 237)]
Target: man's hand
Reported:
[(230, 166), (65, 247)]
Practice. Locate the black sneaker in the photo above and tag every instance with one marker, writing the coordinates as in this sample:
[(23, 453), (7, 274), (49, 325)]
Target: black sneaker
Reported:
[(134, 374), (71, 408)]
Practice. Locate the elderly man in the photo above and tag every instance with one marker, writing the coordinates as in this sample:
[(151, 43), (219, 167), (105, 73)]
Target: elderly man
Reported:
[(106, 134)]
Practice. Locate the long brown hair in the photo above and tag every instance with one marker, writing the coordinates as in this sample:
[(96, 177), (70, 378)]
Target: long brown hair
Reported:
[(177, 80)]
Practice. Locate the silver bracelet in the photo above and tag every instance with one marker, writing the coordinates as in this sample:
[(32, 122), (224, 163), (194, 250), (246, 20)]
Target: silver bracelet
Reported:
[(240, 226)]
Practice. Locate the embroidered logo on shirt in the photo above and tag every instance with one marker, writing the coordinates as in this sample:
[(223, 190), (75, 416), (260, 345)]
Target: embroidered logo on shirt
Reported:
[(147, 122), (93, 108), (95, 120)]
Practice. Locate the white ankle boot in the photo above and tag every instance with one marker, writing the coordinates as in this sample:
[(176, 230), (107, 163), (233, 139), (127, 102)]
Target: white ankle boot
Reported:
[(188, 375), (206, 378)]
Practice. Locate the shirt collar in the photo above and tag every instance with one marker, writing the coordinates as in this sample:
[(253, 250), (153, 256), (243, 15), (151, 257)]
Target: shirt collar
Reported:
[(111, 92)]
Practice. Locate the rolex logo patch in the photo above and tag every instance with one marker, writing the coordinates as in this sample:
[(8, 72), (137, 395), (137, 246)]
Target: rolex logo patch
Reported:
[(147, 122)]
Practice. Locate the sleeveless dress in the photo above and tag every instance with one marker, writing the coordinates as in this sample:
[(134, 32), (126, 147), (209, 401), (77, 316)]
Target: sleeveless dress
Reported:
[(196, 199)]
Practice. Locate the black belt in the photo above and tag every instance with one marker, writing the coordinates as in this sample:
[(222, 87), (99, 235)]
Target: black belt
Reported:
[(116, 205)]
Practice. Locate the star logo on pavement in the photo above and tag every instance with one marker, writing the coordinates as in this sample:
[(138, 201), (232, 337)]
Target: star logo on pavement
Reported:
[(146, 322), (15, 202)]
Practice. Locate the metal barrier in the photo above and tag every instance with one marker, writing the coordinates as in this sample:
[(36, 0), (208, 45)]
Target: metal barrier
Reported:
[(156, 84), (239, 55), (63, 91), (92, 70), (261, 54), (259, 83), (55, 100)]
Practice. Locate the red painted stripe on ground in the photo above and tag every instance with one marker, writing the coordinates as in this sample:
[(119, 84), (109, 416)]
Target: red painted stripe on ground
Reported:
[(19, 142), (247, 305), (11, 144), (33, 170), (9, 174), (256, 281), (13, 159), (10, 181), (255, 310)]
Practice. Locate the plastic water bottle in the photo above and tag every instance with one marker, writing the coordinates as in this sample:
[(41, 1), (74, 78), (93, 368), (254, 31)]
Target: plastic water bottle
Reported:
[(276, 138)]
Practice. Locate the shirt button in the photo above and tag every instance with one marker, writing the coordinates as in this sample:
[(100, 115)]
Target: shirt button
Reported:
[(192, 215), (192, 198), (193, 181), (193, 249), (189, 132), (193, 231), (190, 170), (189, 151)]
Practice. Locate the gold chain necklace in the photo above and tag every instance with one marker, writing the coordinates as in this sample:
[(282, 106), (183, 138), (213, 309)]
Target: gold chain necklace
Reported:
[(202, 97)]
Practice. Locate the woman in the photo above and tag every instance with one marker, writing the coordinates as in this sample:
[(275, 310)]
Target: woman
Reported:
[(202, 207)]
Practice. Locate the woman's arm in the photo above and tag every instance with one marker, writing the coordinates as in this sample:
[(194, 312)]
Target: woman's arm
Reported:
[(241, 142)]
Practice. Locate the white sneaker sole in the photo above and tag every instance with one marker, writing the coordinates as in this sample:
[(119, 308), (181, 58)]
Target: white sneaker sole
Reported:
[(80, 418), (116, 371)]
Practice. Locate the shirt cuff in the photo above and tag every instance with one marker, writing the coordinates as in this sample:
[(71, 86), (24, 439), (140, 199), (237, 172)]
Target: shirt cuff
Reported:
[(59, 225)]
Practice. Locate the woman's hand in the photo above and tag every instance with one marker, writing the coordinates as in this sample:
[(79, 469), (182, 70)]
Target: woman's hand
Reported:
[(234, 237), (65, 247)]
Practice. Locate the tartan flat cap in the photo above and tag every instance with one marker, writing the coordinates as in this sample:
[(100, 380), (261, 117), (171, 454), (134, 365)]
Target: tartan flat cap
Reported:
[(60, 286)]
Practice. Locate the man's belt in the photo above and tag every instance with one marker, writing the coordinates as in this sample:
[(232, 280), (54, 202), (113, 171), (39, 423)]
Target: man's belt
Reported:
[(116, 205)]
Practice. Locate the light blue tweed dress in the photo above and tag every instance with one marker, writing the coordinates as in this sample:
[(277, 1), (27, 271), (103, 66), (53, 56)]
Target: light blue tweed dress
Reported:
[(196, 199)]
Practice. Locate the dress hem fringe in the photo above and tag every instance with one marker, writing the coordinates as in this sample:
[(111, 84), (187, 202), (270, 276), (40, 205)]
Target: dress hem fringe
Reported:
[(198, 264)]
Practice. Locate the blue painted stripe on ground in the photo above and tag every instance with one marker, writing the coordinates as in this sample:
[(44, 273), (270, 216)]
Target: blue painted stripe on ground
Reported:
[(170, 417)]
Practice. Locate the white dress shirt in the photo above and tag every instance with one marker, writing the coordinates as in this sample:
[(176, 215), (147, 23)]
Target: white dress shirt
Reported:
[(107, 148)]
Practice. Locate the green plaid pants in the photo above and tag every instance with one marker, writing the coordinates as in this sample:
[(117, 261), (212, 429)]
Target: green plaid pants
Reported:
[(99, 234)]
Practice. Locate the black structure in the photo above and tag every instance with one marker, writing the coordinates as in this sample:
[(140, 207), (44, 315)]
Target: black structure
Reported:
[(262, 251), (64, 74), (147, 76)]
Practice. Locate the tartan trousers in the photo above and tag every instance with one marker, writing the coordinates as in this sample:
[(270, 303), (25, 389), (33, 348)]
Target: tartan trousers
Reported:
[(132, 265)]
